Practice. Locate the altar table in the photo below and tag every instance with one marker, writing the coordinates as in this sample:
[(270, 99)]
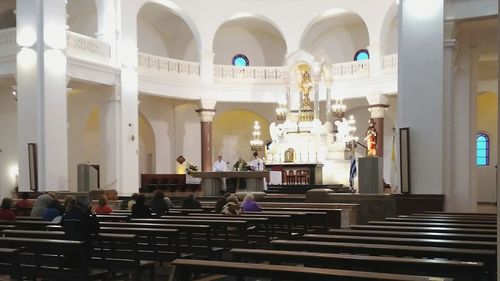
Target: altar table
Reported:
[(211, 181)]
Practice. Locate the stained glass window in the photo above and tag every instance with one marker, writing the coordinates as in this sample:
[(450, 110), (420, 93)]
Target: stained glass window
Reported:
[(482, 150)]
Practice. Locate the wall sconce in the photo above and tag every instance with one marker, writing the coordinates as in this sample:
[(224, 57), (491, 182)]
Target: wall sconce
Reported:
[(14, 91)]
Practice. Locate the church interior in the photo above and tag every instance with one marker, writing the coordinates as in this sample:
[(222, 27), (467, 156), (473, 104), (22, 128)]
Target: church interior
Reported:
[(363, 134)]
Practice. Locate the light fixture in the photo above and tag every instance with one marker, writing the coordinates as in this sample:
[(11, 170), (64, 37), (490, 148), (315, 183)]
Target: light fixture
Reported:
[(352, 139), (281, 112), (338, 109), (14, 91), (256, 142)]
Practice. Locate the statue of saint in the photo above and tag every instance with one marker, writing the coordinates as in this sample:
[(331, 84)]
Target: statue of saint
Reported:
[(305, 86), (371, 139)]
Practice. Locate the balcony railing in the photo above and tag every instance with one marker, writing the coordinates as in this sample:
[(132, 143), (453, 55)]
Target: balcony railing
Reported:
[(351, 70), (8, 44), (152, 64), (88, 48), (390, 63), (251, 74)]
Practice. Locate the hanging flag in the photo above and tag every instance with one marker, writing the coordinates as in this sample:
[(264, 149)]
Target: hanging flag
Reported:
[(353, 171)]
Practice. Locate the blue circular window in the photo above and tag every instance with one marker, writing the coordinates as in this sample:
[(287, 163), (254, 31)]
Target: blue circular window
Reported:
[(362, 54), (240, 60)]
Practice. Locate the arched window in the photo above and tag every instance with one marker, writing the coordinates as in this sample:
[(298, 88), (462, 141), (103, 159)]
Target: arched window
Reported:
[(362, 54), (240, 60), (482, 149)]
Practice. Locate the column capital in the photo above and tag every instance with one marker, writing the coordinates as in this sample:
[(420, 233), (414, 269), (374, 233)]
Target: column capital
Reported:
[(377, 110), (377, 99), (206, 115)]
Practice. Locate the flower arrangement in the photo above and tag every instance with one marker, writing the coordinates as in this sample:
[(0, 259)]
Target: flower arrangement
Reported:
[(190, 168)]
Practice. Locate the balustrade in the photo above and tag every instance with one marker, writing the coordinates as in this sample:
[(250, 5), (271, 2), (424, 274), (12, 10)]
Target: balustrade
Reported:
[(87, 48), (390, 63), (163, 65)]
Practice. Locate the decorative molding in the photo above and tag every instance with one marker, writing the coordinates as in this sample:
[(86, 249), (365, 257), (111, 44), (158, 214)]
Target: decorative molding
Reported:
[(390, 63), (351, 70), (377, 111), (163, 65), (263, 74), (87, 47), (206, 115)]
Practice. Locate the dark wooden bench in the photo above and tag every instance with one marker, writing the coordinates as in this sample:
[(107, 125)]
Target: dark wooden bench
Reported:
[(425, 235), (453, 217), (488, 257), (110, 217), (33, 234), (48, 259), (9, 263), (109, 255), (440, 220), (432, 224), (153, 244), (458, 270), (182, 270), (197, 239), (26, 224), (425, 229), (461, 213), (240, 225), (403, 241)]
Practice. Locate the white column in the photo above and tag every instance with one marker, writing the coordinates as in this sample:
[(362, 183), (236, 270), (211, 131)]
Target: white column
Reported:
[(110, 136), (106, 24), (375, 58), (41, 92), (420, 84), (129, 105), (207, 66)]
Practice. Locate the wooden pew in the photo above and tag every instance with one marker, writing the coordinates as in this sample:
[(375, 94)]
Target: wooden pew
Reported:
[(183, 269), (431, 224), (35, 264), (110, 255), (27, 224), (425, 229), (461, 213), (424, 235), (458, 270), (110, 217), (403, 241), (440, 220), (197, 237), (488, 257), (241, 225), (454, 217), (9, 263), (43, 234), (279, 221)]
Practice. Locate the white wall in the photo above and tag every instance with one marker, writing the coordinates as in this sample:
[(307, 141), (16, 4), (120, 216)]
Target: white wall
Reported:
[(262, 49), (149, 41), (8, 141), (340, 38), (82, 17), (187, 133)]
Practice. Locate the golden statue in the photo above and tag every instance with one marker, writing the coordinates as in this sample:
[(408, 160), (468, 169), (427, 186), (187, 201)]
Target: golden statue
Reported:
[(371, 139), (305, 86)]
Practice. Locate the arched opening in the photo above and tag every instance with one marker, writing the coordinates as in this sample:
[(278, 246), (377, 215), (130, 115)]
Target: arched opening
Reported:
[(390, 31), (147, 147), (254, 36), (232, 132), (162, 32), (337, 33), (82, 17)]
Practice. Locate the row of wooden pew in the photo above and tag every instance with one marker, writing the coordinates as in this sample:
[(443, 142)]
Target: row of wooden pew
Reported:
[(267, 244)]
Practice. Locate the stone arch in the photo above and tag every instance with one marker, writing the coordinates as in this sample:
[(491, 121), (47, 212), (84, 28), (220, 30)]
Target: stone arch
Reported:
[(389, 31), (336, 33), (151, 18), (253, 35)]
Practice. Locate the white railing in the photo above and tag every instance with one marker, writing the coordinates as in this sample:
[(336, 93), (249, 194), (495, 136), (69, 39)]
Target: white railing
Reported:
[(390, 63), (163, 65), (8, 45), (351, 70), (87, 48), (259, 74)]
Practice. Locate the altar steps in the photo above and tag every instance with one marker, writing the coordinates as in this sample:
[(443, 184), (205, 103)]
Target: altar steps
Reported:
[(302, 189)]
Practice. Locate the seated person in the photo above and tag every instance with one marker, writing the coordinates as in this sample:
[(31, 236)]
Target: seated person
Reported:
[(6, 213), (102, 206), (232, 208), (221, 203), (158, 205), (140, 210), (23, 206), (190, 203), (53, 210), (249, 204)]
